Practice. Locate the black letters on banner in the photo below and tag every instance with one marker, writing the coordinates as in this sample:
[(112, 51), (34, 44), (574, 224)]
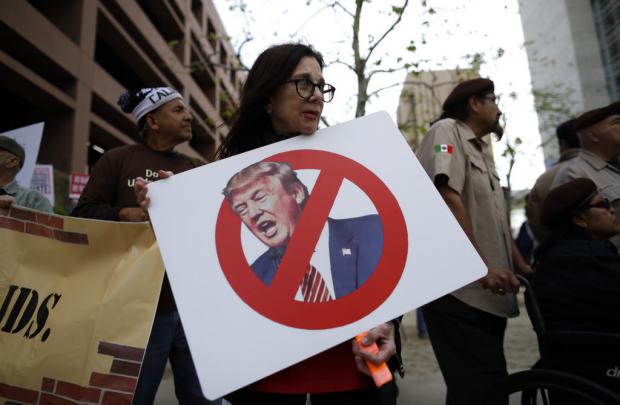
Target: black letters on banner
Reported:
[(13, 309)]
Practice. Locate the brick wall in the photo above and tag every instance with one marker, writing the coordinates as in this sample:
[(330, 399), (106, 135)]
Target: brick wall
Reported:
[(116, 387), (39, 224)]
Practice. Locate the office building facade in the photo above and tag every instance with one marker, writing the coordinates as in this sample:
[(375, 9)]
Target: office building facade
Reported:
[(66, 63), (573, 49), (422, 97)]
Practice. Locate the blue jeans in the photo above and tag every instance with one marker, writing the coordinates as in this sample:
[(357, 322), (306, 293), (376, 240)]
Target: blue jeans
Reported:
[(421, 325), (167, 341)]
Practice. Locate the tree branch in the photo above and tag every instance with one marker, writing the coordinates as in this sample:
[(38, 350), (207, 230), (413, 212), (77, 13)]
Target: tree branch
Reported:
[(356, 29), (391, 70), (394, 24), (430, 87), (247, 39), (338, 61), (374, 93), (337, 4), (310, 18)]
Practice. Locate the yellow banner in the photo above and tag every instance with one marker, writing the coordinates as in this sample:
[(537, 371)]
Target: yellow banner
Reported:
[(77, 301)]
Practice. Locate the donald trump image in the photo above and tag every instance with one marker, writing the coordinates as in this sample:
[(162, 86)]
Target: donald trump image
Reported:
[(269, 199)]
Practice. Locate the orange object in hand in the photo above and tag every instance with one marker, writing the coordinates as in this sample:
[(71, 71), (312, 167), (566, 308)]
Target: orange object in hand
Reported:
[(381, 374)]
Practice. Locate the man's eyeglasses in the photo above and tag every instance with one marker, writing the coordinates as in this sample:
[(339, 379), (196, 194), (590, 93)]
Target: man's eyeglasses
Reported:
[(604, 203), (492, 98), (305, 89)]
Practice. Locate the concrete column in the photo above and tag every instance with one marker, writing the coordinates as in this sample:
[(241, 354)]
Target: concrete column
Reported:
[(83, 94)]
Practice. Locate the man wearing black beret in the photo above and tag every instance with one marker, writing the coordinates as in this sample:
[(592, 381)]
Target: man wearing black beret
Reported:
[(599, 158), (467, 327), (12, 157)]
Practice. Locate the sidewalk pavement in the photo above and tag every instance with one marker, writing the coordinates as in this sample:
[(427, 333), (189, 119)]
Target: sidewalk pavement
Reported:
[(423, 384)]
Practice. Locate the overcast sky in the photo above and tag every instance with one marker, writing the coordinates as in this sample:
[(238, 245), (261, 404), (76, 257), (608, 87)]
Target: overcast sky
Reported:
[(456, 29)]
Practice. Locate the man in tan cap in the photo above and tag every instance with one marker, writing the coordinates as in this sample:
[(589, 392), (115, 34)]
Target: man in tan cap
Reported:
[(12, 157), (467, 327), (568, 142), (599, 133)]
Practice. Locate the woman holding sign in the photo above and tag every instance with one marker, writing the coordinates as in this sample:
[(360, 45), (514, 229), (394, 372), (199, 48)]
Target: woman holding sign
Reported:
[(283, 97)]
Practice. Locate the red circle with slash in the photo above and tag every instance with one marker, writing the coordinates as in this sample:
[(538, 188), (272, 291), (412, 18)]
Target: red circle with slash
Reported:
[(277, 301)]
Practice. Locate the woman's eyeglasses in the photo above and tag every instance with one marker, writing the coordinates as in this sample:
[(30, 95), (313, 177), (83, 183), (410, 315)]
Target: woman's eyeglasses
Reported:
[(305, 89)]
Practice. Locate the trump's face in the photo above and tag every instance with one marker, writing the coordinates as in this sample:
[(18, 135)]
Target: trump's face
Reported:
[(268, 210)]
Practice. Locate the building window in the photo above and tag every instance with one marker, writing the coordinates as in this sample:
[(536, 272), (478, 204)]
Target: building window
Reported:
[(607, 18)]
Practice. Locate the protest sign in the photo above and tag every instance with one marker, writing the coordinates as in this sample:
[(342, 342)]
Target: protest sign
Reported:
[(77, 182), (77, 301), (29, 138), (240, 274), (43, 181)]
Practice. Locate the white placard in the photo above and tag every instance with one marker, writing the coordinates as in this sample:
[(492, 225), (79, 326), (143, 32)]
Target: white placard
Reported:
[(233, 344), (43, 181), (30, 139)]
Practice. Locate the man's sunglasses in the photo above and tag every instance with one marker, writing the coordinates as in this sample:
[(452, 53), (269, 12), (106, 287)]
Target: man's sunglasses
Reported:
[(604, 203)]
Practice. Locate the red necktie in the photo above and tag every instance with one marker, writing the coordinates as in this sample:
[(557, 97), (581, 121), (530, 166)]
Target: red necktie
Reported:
[(313, 287)]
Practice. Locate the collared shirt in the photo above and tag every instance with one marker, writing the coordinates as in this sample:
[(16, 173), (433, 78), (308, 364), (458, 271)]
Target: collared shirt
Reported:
[(533, 206), (451, 148), (604, 174), (28, 198)]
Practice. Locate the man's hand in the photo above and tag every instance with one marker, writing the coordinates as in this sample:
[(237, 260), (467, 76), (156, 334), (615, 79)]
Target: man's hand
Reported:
[(141, 188), (521, 266), (525, 269), (383, 336), (6, 201), (133, 214), (500, 281)]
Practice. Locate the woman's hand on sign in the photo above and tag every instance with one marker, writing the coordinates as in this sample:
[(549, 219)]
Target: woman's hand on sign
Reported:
[(141, 188), (383, 336)]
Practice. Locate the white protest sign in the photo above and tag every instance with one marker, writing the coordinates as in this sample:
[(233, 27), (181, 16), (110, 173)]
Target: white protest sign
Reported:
[(238, 311), (30, 139), (43, 181)]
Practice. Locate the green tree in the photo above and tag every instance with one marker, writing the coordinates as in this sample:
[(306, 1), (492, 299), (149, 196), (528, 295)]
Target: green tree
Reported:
[(363, 64), (365, 41)]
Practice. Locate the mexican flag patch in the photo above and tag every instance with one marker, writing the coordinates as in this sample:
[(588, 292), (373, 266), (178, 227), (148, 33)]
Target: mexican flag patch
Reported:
[(444, 148)]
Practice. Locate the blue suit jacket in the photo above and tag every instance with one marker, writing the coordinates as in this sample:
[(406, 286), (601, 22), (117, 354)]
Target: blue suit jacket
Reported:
[(362, 236)]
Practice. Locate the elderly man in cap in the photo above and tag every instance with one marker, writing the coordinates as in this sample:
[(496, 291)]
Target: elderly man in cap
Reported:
[(599, 158), (12, 157), (568, 142), (164, 122), (467, 327)]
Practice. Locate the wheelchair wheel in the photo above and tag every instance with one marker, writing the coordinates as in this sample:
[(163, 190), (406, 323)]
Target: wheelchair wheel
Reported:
[(551, 388)]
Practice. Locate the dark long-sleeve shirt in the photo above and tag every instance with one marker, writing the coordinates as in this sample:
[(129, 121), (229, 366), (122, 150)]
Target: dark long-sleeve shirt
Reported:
[(111, 187), (577, 284)]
